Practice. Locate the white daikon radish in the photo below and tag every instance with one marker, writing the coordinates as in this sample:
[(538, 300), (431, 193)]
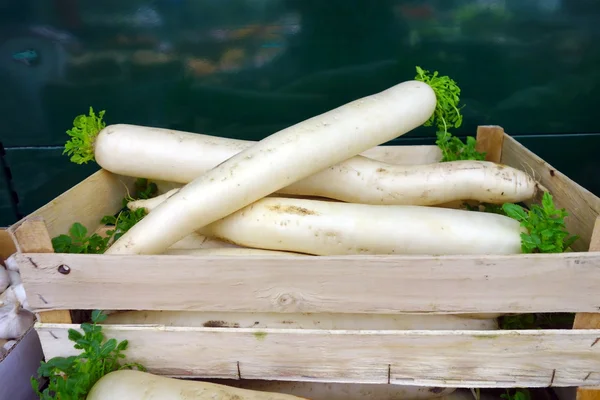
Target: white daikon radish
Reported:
[(196, 241), (182, 156), (228, 251), (361, 180), (331, 228), (277, 161), (302, 320), (134, 385)]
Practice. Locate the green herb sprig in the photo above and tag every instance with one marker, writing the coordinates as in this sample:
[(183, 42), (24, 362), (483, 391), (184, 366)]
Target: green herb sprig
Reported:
[(447, 115), (78, 241), (125, 219), (71, 378), (83, 137), (545, 225), (454, 149)]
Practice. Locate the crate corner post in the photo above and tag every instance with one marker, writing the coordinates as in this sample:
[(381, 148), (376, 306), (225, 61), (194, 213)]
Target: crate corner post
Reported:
[(31, 235), (490, 139)]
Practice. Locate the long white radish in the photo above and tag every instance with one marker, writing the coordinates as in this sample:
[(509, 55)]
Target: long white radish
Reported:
[(333, 228), (362, 180), (195, 241), (138, 385), (176, 158), (277, 161)]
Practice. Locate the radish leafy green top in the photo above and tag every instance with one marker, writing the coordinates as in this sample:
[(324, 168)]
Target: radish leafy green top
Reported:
[(71, 378), (447, 115), (545, 226), (83, 135)]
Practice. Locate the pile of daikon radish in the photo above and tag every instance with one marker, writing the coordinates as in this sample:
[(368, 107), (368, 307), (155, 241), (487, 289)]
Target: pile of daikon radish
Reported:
[(233, 197), (260, 196)]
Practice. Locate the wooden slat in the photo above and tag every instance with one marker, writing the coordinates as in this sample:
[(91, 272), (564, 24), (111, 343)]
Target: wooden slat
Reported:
[(303, 320), (583, 207), (566, 282), (31, 236), (588, 320), (490, 139), (86, 203), (430, 358)]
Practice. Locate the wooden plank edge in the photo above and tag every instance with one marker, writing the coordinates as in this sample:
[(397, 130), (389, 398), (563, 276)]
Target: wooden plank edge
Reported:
[(299, 285), (251, 347), (588, 320)]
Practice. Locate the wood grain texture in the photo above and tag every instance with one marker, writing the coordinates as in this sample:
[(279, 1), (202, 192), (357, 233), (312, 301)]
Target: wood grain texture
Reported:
[(589, 320), (327, 321), (31, 236), (490, 139), (566, 282), (429, 358), (87, 202), (583, 207)]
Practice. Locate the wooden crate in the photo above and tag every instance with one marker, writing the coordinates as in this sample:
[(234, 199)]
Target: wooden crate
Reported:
[(375, 285)]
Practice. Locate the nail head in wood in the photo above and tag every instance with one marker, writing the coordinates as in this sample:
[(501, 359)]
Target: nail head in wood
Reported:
[(64, 269)]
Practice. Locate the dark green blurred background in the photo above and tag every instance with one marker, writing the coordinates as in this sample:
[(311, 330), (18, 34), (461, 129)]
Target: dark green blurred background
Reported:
[(247, 68)]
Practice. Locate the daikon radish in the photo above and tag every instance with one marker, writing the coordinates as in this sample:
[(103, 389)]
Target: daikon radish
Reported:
[(137, 385), (228, 251), (278, 161), (332, 228), (196, 241), (326, 321), (361, 180)]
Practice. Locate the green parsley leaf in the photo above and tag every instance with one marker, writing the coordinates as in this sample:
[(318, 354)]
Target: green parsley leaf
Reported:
[(545, 225), (71, 378), (83, 137), (78, 242), (447, 115)]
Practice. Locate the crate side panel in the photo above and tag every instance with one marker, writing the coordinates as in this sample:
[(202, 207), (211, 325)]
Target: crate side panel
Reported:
[(425, 358), (566, 282), (582, 205)]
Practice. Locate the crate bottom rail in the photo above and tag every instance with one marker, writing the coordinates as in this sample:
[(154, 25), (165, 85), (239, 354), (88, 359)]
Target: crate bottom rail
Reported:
[(430, 358)]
